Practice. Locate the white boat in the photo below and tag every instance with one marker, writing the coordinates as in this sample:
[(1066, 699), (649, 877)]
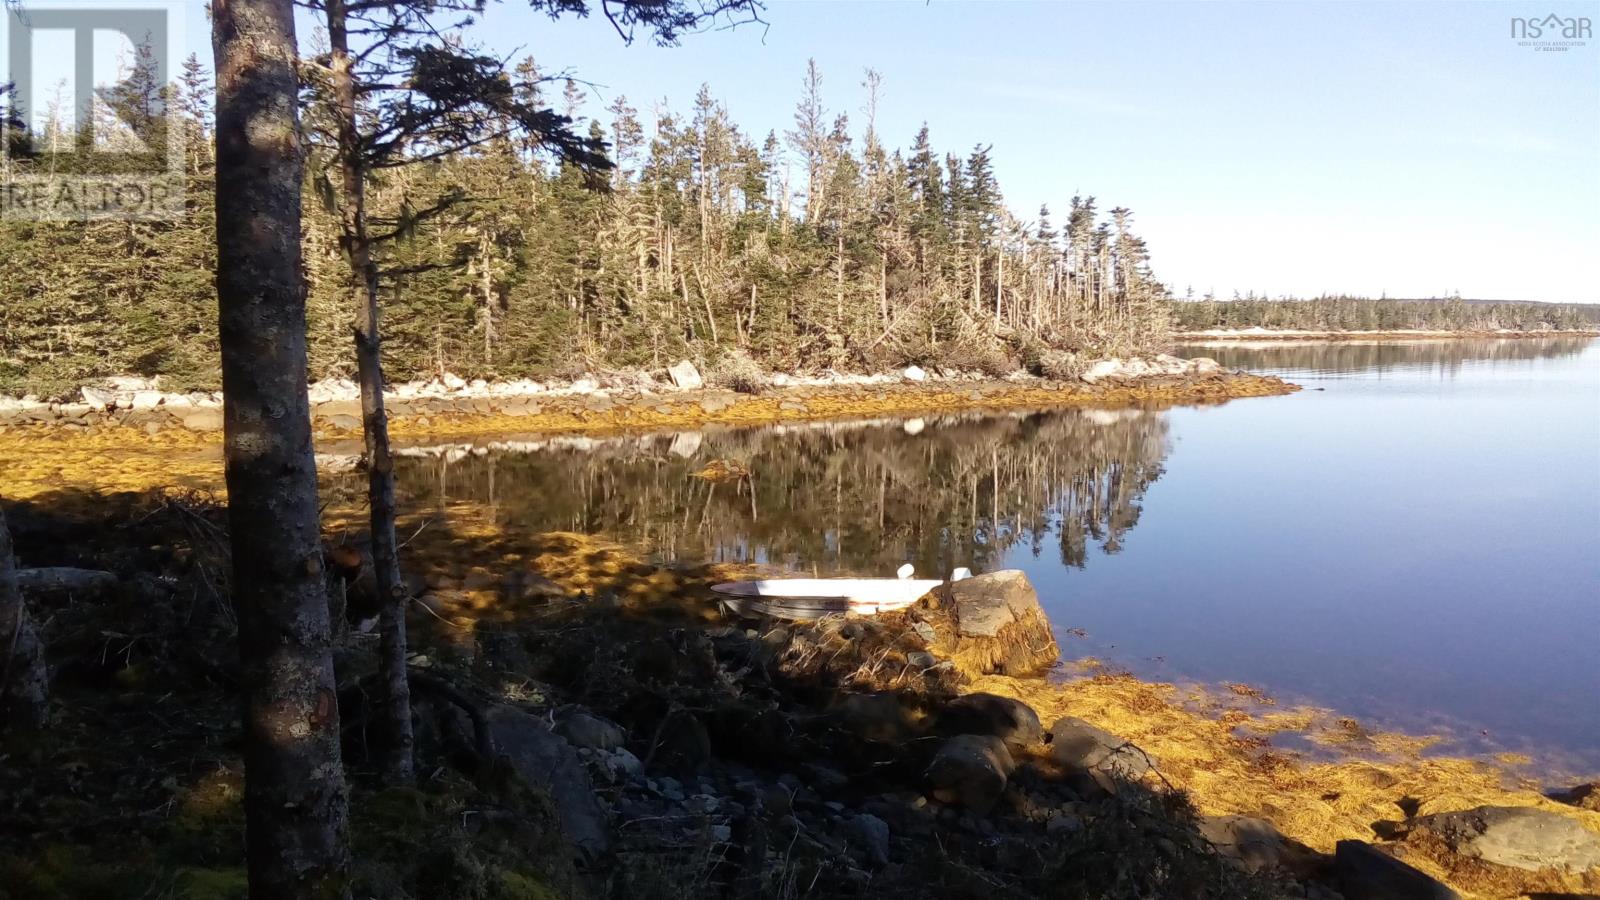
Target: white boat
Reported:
[(813, 598)]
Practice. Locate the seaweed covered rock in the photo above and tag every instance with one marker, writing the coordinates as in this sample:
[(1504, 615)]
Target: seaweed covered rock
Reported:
[(1516, 836), (991, 624), (1584, 796)]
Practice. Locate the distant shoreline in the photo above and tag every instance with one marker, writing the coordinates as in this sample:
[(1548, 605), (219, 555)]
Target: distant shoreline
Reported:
[(1295, 334), (459, 409)]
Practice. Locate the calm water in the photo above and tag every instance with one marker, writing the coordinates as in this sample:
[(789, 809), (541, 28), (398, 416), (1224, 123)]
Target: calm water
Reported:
[(1413, 540)]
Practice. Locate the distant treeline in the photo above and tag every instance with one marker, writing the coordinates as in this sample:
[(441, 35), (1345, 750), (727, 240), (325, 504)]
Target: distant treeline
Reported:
[(820, 247), (1341, 313)]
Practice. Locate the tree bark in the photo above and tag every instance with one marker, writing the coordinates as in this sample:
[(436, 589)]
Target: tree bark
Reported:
[(24, 679), (395, 705), (295, 795)]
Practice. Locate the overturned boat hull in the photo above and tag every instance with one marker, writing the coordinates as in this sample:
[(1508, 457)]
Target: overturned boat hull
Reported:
[(813, 598)]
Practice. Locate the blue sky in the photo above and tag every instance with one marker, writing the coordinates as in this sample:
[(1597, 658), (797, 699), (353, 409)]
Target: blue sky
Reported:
[(1290, 148), (1282, 147)]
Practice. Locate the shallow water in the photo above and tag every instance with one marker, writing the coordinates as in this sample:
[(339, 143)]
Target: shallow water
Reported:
[(1413, 540)]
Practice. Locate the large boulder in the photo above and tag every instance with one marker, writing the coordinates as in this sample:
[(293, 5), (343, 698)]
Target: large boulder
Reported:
[(1101, 370), (875, 717), (992, 624), (585, 730), (1009, 720), (99, 399), (1080, 747), (685, 376), (1518, 836), (971, 770), (545, 760), (1363, 872)]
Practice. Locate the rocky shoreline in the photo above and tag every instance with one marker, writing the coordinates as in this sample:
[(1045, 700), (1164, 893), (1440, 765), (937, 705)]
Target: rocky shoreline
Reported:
[(678, 396), (1257, 333), (675, 749)]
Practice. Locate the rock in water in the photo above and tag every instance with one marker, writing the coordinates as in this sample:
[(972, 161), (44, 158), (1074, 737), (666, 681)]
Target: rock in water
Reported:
[(914, 373), (1364, 872), (545, 760), (992, 624), (971, 770), (1009, 720), (1518, 836), (1584, 796), (686, 376)]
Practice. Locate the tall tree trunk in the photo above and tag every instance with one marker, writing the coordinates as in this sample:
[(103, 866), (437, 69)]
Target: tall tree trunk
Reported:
[(24, 680), (295, 796), (395, 704), (999, 283)]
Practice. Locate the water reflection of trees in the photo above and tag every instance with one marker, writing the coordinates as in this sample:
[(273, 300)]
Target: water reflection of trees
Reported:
[(841, 498), (1446, 357)]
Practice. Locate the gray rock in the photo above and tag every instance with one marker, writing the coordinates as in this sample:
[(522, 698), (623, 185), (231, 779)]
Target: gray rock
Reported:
[(74, 411), (626, 762), (545, 760), (1363, 872), (971, 770), (1010, 720), (202, 418), (984, 604), (875, 717), (995, 626), (1254, 844), (1081, 747), (584, 729), (143, 400), (344, 423), (98, 398), (332, 409), (1516, 836), (686, 376), (870, 835), (826, 778), (1584, 796), (714, 405), (519, 406), (1105, 368), (1063, 823)]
